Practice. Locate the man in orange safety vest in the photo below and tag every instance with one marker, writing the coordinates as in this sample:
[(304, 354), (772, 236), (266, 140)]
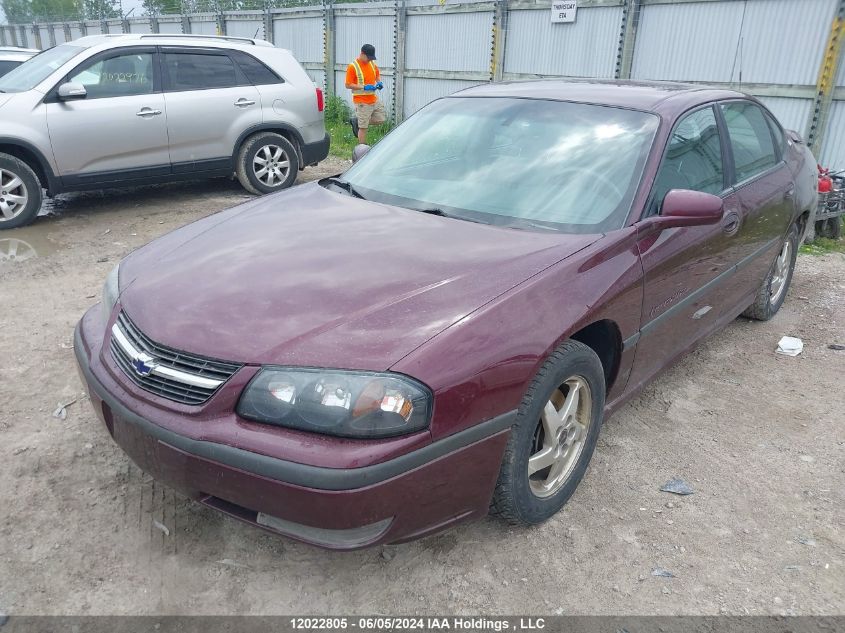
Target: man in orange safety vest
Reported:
[(364, 79)]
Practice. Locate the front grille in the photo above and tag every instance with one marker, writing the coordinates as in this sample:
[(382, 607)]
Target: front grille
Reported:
[(186, 367)]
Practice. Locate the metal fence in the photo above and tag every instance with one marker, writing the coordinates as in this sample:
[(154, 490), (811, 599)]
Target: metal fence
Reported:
[(786, 52)]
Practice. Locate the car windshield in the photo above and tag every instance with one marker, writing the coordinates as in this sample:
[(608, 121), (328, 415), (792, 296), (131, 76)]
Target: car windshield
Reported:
[(35, 70), (525, 163)]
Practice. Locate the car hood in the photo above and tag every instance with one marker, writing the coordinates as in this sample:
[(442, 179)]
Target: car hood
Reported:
[(309, 277)]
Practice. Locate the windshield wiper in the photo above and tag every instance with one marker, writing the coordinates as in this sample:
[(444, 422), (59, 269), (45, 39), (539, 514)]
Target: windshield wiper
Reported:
[(526, 226), (435, 211), (346, 186), (441, 213)]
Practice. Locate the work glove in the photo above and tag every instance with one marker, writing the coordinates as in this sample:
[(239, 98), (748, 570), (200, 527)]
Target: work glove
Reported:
[(379, 86), (369, 87)]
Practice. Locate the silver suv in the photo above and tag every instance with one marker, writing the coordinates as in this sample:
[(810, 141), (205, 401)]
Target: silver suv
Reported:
[(12, 57), (121, 110)]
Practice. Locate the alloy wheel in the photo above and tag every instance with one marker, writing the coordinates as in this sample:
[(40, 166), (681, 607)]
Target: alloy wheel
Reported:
[(560, 436), (781, 272), (13, 195), (271, 165)]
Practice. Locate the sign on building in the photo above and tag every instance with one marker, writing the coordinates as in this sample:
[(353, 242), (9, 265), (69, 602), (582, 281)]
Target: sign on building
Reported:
[(564, 10)]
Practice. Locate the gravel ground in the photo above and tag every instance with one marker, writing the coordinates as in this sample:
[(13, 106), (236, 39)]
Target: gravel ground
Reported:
[(758, 436)]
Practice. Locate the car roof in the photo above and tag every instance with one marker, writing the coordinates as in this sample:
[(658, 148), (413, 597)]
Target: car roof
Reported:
[(15, 56), (651, 96), (164, 39)]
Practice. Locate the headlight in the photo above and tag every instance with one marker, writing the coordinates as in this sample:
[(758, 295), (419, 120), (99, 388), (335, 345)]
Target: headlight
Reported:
[(111, 289), (334, 402)]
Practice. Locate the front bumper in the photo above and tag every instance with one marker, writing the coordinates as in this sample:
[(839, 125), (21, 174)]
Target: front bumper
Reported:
[(399, 499)]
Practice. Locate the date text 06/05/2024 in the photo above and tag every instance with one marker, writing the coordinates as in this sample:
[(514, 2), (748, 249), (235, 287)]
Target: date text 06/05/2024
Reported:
[(385, 623)]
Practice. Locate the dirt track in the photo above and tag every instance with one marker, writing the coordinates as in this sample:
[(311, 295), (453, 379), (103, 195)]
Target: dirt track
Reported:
[(760, 437)]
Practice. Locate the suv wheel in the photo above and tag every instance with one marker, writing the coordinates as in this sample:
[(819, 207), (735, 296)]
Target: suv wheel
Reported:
[(267, 162), (20, 193)]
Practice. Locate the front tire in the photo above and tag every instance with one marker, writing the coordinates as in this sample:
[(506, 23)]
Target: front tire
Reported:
[(772, 292), (20, 193), (553, 437), (267, 162)]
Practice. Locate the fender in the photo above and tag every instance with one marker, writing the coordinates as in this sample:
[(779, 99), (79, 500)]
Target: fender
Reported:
[(269, 127), (53, 185)]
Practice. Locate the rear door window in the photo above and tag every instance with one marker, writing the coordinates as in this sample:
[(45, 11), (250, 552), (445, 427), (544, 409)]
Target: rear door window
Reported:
[(200, 71), (753, 147), (693, 158), (257, 73)]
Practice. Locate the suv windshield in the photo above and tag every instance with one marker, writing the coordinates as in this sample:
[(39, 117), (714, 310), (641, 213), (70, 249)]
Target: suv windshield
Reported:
[(35, 70), (525, 163)]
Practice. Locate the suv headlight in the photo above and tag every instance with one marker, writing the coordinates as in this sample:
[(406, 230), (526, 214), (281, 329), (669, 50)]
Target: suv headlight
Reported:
[(111, 290), (336, 402)]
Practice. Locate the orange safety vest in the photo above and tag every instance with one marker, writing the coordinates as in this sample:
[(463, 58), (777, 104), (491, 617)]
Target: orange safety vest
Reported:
[(359, 74)]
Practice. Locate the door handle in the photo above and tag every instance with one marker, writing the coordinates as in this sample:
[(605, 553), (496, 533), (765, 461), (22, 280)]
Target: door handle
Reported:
[(730, 222), (244, 103), (147, 112)]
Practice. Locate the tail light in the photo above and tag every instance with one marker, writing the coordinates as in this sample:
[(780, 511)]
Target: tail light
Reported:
[(320, 102)]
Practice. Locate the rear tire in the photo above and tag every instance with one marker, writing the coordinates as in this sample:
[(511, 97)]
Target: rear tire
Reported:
[(553, 437), (834, 228), (267, 162), (772, 292), (20, 193)]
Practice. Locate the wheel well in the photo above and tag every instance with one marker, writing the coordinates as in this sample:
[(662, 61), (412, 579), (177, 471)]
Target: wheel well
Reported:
[(802, 225), (28, 157), (605, 339), (290, 136)]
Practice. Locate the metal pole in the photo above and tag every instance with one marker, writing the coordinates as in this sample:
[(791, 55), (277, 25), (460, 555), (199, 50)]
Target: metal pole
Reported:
[(328, 46), (500, 35), (399, 61), (268, 24), (628, 38), (826, 79)]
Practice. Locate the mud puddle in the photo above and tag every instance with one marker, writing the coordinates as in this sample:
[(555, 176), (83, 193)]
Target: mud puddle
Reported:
[(29, 242)]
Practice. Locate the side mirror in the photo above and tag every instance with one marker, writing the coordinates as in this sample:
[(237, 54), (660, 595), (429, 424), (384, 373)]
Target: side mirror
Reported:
[(682, 207), (359, 152), (70, 91), (693, 208)]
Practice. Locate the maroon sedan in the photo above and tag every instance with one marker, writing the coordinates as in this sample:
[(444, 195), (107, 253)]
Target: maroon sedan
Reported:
[(440, 331)]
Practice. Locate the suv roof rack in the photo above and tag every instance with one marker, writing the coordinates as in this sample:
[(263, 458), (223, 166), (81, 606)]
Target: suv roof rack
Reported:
[(225, 38)]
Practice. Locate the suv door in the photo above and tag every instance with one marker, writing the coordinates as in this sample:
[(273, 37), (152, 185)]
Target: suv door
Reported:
[(764, 188), (210, 103), (119, 130), (688, 270)]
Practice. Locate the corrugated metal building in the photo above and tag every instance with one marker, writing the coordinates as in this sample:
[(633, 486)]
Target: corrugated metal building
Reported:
[(774, 49)]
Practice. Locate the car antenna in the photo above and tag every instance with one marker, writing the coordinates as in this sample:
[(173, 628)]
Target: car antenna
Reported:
[(738, 52), (255, 37)]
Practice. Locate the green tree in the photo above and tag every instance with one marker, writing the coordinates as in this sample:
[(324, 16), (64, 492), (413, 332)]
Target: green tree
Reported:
[(101, 9), (162, 7), (17, 11), (56, 10)]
